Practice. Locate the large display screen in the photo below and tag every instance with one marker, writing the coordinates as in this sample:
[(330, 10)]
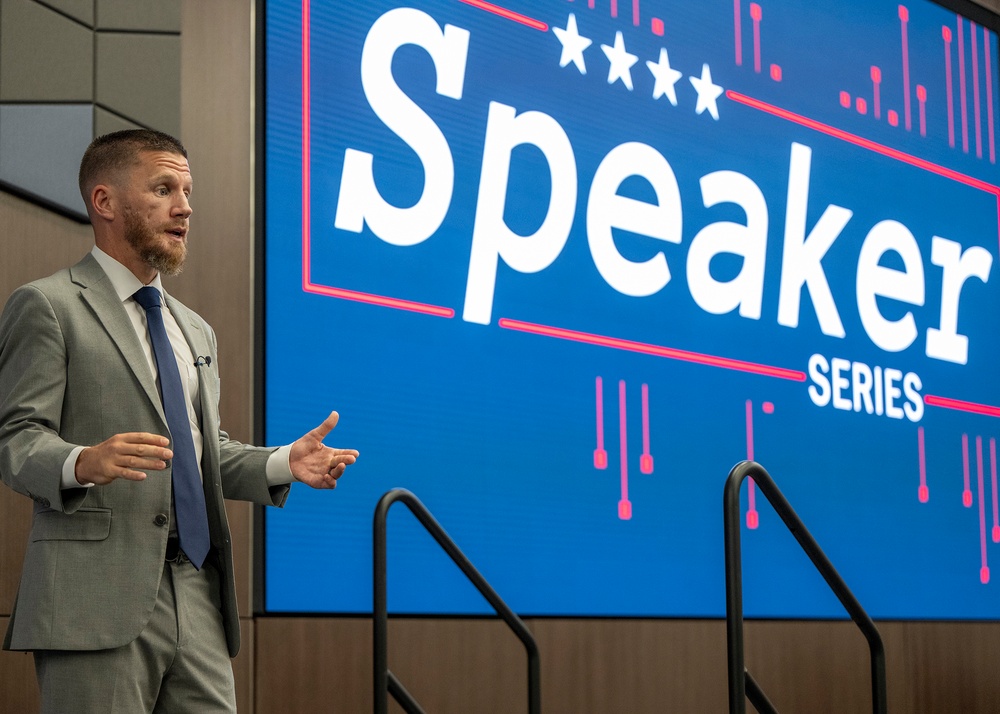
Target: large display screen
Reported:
[(561, 264)]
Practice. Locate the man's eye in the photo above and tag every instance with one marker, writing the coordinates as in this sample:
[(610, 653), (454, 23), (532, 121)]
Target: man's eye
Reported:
[(162, 190)]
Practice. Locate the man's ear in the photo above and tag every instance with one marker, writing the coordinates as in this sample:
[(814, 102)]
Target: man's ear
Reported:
[(103, 201)]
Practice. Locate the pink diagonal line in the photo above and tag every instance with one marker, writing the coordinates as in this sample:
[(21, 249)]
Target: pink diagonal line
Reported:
[(379, 300), (993, 483), (988, 52), (655, 350), (966, 490), (946, 33), (509, 14), (923, 495), (975, 90), (932, 400), (753, 517), (870, 145), (306, 190), (738, 32), (962, 87), (904, 17), (984, 572), (863, 143), (600, 455), (624, 506)]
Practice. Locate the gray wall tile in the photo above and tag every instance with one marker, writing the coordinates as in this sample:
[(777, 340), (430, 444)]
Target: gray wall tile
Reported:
[(106, 122), (44, 56), (138, 77), (148, 15), (82, 10), (40, 149)]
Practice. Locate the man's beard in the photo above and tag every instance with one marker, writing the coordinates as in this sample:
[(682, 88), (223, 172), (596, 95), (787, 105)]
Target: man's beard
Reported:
[(166, 259)]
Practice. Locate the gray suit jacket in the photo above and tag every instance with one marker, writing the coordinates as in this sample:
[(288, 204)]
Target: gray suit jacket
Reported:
[(72, 372)]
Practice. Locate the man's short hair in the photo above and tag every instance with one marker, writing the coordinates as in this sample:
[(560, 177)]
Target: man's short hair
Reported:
[(113, 153)]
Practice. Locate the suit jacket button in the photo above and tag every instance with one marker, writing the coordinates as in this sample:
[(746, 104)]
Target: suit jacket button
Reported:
[(160, 519)]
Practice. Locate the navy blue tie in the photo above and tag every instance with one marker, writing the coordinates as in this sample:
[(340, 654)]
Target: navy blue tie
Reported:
[(189, 495)]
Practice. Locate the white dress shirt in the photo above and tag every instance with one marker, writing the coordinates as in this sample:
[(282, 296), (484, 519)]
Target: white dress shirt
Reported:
[(126, 284)]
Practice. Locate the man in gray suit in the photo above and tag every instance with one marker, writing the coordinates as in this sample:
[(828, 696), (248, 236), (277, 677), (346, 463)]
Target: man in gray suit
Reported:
[(120, 618)]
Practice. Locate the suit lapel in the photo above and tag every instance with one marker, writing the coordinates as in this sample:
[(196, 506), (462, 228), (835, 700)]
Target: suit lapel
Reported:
[(98, 292), (191, 327)]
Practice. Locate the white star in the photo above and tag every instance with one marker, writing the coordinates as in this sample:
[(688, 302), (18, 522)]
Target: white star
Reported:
[(573, 44), (621, 62), (666, 77), (707, 93)]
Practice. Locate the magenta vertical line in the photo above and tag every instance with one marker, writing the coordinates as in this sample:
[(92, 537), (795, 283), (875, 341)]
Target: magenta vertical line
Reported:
[(966, 491), (946, 33), (306, 146), (993, 483), (962, 88), (876, 96), (904, 17), (600, 455), (922, 99), (600, 413), (738, 32), (984, 573), (614, 8), (988, 54), (923, 495), (645, 419), (646, 460), (755, 15), (624, 507), (753, 518), (975, 90), (635, 12)]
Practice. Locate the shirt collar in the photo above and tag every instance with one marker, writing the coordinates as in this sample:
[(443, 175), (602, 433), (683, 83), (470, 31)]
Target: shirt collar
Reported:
[(122, 279)]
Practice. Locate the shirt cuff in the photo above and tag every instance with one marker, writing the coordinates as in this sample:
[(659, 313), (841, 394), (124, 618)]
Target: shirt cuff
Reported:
[(279, 473), (69, 471)]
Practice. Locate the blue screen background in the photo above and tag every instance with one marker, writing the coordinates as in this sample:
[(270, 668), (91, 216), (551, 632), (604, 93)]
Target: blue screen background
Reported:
[(495, 429)]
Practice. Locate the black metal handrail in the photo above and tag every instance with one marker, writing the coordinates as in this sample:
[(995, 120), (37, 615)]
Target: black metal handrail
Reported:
[(385, 681), (741, 684)]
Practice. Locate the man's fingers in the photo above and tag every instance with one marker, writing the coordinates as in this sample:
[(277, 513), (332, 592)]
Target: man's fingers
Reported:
[(143, 437), (147, 464), (122, 456), (326, 427), (144, 454), (130, 475)]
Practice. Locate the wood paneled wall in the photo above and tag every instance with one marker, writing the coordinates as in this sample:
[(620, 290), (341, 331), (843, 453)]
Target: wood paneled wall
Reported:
[(451, 665)]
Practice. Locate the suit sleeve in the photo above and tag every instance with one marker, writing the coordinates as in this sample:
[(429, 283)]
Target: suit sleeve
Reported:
[(32, 388)]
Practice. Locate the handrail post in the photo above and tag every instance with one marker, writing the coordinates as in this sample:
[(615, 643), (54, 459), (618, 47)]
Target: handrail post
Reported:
[(384, 681), (380, 613), (734, 601), (734, 586)]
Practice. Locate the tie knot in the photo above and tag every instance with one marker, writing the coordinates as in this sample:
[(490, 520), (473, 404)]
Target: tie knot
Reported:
[(147, 297)]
